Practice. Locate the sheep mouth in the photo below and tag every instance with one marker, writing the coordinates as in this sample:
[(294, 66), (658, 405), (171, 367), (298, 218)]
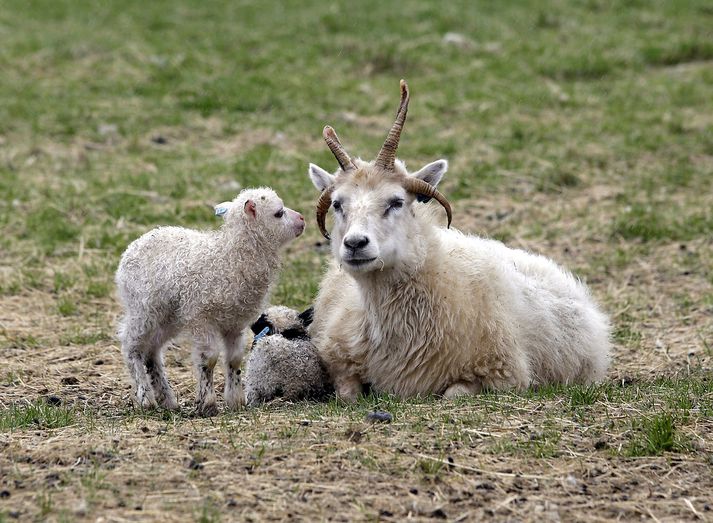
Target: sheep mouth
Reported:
[(358, 262)]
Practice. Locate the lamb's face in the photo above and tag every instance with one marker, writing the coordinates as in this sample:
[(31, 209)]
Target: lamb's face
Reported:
[(374, 225), (263, 210), (279, 319)]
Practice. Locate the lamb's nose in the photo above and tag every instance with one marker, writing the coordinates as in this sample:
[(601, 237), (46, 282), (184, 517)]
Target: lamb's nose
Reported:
[(356, 242)]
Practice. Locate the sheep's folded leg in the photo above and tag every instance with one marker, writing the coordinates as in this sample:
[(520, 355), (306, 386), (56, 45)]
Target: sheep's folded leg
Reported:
[(348, 387), (234, 395), (463, 388)]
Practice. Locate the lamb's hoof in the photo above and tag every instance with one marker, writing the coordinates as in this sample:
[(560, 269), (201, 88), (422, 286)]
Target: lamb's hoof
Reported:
[(169, 404), (234, 406), (146, 400), (207, 410)]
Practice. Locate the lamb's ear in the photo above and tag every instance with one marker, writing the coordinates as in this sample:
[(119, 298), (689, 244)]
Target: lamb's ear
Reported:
[(307, 316), (222, 208), (433, 172), (260, 324), (250, 208), (320, 178)]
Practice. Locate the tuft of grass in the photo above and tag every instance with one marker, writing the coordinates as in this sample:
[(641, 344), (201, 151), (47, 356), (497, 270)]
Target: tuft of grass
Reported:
[(678, 52), (37, 414), (582, 395), (67, 305), (62, 281), (652, 436)]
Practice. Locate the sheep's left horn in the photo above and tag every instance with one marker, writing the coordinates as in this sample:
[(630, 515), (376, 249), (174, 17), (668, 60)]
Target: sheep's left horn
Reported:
[(387, 155), (323, 204), (345, 162), (416, 186)]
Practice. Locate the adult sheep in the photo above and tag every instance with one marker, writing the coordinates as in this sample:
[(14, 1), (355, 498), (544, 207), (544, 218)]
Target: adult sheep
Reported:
[(413, 308)]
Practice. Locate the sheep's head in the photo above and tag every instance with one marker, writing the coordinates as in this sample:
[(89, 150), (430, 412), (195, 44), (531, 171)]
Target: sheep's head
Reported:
[(372, 201), (279, 319), (262, 211)]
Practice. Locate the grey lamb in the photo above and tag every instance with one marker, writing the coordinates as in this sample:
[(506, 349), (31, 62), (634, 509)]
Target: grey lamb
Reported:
[(210, 283), (283, 362)]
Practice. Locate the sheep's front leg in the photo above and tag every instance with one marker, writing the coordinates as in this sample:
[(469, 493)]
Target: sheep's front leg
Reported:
[(205, 356), (234, 395)]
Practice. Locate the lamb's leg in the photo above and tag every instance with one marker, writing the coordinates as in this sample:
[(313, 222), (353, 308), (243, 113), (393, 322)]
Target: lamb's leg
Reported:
[(234, 396), (463, 388), (133, 336), (154, 365), (205, 356)]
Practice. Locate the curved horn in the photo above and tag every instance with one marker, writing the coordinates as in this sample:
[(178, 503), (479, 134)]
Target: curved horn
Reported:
[(417, 186), (345, 162), (387, 155), (325, 200)]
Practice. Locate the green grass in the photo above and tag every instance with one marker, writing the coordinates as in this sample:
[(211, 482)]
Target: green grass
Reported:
[(37, 414), (654, 436), (580, 130)]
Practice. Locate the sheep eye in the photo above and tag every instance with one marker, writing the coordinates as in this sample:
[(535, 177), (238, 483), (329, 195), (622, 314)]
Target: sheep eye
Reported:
[(396, 203), (280, 213), (337, 205)]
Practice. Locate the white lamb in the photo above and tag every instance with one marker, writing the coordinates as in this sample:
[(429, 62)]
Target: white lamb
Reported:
[(413, 308), (211, 283)]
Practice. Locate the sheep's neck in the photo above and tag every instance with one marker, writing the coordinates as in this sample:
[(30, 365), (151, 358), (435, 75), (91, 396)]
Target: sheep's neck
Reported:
[(400, 293), (251, 255)]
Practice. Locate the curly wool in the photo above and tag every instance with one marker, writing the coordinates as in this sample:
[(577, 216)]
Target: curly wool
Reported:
[(212, 283), (279, 367)]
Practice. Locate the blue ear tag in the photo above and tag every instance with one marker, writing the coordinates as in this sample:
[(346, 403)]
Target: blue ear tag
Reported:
[(220, 211), (260, 335)]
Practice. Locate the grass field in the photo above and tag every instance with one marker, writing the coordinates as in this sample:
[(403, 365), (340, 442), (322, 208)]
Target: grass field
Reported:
[(582, 130)]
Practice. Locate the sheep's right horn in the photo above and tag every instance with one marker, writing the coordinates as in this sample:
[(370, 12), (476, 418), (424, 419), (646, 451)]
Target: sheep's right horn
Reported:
[(345, 162), (323, 204), (416, 186)]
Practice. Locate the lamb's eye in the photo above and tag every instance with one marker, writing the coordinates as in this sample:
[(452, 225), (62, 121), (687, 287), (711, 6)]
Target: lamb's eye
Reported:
[(337, 205), (396, 203), (280, 213)]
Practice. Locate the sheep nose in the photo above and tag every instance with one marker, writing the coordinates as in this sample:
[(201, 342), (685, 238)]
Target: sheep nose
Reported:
[(356, 242)]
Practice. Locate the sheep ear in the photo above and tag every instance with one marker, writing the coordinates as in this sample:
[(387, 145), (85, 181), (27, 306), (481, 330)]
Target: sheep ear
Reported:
[(250, 209), (320, 178), (433, 172), (222, 208), (307, 316)]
